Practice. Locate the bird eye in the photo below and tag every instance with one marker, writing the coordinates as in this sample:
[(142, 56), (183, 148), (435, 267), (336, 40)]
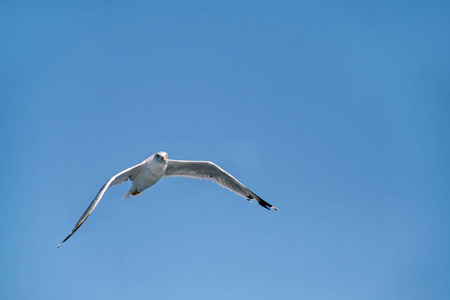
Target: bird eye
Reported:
[(157, 155)]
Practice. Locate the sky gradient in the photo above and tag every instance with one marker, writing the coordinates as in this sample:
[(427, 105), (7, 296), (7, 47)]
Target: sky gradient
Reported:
[(335, 112)]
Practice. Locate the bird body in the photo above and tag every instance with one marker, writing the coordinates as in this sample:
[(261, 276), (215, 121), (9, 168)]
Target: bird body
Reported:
[(151, 172), (157, 166)]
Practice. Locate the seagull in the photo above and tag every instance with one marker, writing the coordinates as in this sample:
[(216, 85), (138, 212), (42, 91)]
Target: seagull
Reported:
[(157, 166)]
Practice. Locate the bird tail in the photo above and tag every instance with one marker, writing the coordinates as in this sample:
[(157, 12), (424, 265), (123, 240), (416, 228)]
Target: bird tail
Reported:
[(135, 193), (127, 195)]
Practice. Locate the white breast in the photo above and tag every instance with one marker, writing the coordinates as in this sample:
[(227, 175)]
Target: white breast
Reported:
[(150, 174)]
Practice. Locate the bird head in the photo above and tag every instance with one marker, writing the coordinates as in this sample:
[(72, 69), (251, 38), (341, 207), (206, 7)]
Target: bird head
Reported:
[(162, 155)]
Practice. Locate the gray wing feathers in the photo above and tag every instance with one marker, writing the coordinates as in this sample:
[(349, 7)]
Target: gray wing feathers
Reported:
[(210, 171), (119, 178)]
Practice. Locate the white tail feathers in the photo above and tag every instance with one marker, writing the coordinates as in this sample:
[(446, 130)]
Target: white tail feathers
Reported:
[(135, 193), (127, 195)]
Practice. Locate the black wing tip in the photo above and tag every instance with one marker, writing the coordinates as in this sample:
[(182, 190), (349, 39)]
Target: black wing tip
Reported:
[(266, 205), (60, 244), (263, 203), (73, 231)]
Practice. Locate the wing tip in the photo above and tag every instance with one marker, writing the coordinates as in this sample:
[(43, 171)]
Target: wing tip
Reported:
[(60, 244), (268, 206), (73, 231), (263, 203)]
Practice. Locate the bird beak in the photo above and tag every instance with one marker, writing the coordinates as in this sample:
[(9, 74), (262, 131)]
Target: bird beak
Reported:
[(165, 157)]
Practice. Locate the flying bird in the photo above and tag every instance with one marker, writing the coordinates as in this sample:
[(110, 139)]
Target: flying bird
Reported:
[(157, 166)]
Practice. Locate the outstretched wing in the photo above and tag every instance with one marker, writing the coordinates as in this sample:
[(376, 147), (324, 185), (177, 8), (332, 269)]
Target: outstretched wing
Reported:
[(211, 171), (123, 176)]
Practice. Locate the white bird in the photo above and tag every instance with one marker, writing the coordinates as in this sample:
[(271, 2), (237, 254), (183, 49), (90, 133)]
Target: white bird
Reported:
[(152, 169)]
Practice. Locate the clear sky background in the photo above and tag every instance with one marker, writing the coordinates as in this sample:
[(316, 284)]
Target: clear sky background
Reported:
[(336, 112)]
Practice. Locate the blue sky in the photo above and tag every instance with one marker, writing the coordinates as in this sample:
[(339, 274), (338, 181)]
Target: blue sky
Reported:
[(336, 112)]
